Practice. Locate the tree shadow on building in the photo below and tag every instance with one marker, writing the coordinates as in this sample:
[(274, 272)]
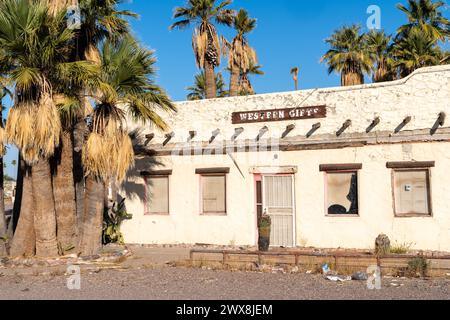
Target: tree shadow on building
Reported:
[(133, 187)]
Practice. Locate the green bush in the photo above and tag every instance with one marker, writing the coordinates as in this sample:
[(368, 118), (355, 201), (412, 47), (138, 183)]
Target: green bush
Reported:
[(417, 266), (112, 220)]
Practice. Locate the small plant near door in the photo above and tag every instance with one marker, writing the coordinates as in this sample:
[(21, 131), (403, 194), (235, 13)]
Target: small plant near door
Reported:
[(264, 224)]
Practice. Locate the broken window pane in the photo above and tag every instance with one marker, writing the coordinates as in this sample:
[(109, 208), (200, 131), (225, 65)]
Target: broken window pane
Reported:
[(213, 194), (411, 192), (158, 195), (342, 193)]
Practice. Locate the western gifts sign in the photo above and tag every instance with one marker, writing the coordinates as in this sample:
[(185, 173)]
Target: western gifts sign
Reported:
[(279, 114)]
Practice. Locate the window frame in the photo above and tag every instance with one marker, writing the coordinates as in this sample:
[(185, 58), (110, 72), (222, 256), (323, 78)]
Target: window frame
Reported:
[(212, 174), (328, 169), (429, 192), (155, 175)]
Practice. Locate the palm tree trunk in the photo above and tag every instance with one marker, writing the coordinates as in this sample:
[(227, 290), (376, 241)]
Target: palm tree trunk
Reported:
[(234, 80), (44, 213), (352, 79), (210, 79), (64, 193), (24, 241), (19, 189), (79, 132), (296, 84), (91, 237)]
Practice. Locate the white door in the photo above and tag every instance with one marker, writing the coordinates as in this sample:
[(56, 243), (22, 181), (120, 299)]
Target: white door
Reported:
[(278, 200)]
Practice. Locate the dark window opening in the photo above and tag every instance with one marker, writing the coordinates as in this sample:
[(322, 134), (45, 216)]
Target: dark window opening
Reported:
[(342, 193)]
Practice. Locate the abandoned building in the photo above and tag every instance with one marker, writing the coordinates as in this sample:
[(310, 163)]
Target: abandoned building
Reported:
[(333, 167)]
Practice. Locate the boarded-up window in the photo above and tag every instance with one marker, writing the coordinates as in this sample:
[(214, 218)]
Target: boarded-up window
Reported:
[(158, 195), (412, 192), (213, 193), (342, 193)]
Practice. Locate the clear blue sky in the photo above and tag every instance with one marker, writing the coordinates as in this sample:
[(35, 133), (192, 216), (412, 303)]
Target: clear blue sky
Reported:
[(289, 33)]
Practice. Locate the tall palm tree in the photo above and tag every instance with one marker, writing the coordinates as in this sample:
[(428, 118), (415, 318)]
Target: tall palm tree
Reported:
[(240, 54), (418, 49), (62, 162), (348, 55), (245, 86), (426, 15), (380, 47), (127, 71), (294, 72), (100, 19), (205, 40), (37, 44), (198, 90)]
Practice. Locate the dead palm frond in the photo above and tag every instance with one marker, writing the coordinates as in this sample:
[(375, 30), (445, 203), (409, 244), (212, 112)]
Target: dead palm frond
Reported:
[(126, 70), (2, 141), (47, 126), (245, 85), (205, 40), (37, 45), (55, 6)]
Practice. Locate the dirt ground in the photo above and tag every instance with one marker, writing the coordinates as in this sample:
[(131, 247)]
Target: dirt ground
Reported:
[(167, 283), (147, 274)]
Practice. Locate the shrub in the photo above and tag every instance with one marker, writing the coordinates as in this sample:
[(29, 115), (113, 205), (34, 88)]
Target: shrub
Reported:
[(401, 248), (417, 266), (112, 220)]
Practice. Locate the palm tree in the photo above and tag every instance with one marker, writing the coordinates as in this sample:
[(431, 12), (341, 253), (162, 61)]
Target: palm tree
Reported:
[(426, 15), (416, 50), (205, 41), (294, 72), (99, 20), (127, 71), (348, 55), (245, 86), (37, 45), (379, 46), (240, 54), (198, 90)]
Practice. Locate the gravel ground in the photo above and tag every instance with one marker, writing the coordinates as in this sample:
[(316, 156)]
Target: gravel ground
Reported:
[(197, 284)]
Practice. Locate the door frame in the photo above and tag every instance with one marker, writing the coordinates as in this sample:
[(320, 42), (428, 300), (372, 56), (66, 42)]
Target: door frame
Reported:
[(260, 177)]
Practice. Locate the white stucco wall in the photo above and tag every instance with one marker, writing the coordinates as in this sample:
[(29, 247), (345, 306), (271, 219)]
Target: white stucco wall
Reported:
[(422, 96)]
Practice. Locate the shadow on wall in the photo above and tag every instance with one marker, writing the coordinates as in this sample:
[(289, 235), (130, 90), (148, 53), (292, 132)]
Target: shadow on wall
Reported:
[(133, 187)]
